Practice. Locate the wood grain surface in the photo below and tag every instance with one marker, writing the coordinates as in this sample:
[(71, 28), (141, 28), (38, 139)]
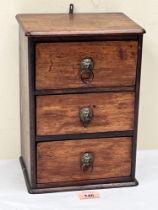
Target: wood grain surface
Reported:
[(24, 104), (58, 64), (77, 24), (59, 114), (60, 161)]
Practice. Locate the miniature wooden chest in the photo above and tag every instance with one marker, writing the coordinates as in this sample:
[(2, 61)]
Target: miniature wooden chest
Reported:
[(79, 88)]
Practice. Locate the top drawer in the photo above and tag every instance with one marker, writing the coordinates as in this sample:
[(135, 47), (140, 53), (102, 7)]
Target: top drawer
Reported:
[(110, 64)]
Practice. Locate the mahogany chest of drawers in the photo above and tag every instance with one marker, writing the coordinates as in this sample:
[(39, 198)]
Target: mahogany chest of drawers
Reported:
[(79, 88)]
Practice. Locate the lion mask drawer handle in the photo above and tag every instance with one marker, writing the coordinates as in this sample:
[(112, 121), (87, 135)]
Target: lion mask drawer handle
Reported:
[(86, 115), (87, 161), (87, 66)]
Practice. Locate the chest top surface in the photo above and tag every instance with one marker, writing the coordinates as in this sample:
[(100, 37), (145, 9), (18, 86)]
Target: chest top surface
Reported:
[(78, 24)]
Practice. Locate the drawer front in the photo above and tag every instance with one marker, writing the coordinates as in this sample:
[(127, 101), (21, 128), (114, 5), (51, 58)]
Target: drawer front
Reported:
[(58, 65), (66, 161), (84, 113)]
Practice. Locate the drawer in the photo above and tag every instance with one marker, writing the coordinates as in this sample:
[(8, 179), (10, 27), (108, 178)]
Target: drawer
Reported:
[(65, 161), (65, 65), (84, 113)]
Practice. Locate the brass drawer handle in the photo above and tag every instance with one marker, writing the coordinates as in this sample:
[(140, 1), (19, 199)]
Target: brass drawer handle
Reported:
[(87, 66), (86, 115), (87, 161)]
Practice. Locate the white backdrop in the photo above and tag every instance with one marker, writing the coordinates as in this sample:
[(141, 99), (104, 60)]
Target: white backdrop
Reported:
[(143, 11)]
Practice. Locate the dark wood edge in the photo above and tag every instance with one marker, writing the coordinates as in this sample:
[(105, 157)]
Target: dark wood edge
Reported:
[(85, 136), (84, 187), (28, 185), (84, 182), (85, 38), (32, 105), (73, 188), (88, 33), (138, 76), (84, 90)]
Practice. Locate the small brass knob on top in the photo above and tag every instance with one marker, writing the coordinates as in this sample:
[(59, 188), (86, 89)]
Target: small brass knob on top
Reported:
[(86, 115), (87, 161), (86, 67), (71, 9)]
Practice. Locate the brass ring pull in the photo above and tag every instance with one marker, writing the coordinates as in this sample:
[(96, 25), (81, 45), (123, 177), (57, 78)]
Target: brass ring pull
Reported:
[(86, 115), (87, 66), (87, 76), (87, 161)]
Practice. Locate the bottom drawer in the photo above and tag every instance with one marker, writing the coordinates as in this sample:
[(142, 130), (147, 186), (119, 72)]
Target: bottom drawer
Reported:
[(80, 160)]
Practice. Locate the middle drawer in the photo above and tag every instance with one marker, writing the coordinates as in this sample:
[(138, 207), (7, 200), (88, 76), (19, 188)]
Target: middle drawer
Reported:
[(84, 113)]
